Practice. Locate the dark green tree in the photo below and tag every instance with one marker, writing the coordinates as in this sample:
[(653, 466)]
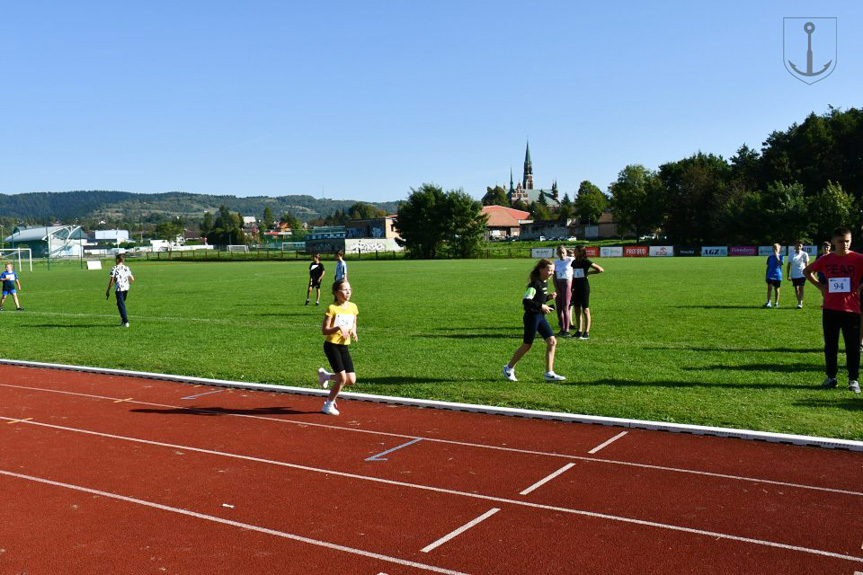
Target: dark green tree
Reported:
[(635, 200), (495, 196), (364, 211), (590, 202), (268, 221), (829, 209)]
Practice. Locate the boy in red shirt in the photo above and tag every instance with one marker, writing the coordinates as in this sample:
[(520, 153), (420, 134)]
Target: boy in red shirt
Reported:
[(843, 270)]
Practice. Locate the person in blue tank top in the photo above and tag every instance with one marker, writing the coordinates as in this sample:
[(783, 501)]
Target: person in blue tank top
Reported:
[(774, 275)]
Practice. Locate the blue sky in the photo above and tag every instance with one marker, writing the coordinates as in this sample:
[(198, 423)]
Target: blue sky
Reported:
[(366, 100)]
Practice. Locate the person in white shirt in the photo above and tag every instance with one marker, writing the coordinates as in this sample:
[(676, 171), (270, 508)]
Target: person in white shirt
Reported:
[(563, 289), (796, 264)]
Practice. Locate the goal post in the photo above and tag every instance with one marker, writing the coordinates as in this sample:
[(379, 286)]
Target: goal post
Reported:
[(238, 249), (18, 253)]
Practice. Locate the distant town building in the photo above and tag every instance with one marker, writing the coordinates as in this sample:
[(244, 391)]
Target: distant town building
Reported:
[(525, 191), (504, 222), (56, 241)]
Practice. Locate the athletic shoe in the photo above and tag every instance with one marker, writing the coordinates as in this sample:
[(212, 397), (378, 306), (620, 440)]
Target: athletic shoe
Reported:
[(330, 408), (585, 335), (307, 302), (577, 335), (323, 377), (854, 386), (126, 324), (829, 383), (799, 306), (776, 304), (767, 305), (20, 309), (509, 373), (1, 309), (317, 303), (551, 376)]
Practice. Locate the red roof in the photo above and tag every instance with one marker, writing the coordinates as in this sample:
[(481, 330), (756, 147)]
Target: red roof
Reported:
[(501, 217)]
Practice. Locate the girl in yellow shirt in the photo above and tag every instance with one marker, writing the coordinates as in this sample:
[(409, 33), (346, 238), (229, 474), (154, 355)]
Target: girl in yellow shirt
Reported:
[(340, 325)]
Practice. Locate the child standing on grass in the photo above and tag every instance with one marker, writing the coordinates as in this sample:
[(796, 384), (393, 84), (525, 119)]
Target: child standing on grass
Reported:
[(121, 278), (796, 264), (341, 267), (581, 268), (774, 275), (841, 309), (563, 288), (534, 303), (10, 282), (316, 274), (340, 325)]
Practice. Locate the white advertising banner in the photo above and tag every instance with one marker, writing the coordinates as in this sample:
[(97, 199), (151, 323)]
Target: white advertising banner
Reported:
[(611, 252), (714, 251), (767, 250), (661, 251), (789, 251), (542, 252)]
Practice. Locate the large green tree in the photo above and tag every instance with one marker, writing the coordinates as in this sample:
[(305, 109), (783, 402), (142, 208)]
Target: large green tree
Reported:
[(495, 196), (635, 200), (590, 202)]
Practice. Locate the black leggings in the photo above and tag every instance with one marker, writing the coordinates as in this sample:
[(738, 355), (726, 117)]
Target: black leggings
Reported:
[(849, 324), (339, 357)]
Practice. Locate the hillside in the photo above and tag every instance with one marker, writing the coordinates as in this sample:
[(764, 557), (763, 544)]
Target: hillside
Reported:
[(134, 207)]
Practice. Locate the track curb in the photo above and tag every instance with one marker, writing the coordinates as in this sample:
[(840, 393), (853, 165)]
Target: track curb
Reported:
[(824, 442)]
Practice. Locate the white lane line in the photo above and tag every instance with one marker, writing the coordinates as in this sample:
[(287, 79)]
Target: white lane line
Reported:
[(460, 530), (516, 502), (18, 420), (377, 456), (607, 443), (460, 443), (545, 480), (203, 394), (300, 538), (122, 400)]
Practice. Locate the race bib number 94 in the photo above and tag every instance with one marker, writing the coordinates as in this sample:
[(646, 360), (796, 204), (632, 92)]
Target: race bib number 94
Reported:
[(839, 285)]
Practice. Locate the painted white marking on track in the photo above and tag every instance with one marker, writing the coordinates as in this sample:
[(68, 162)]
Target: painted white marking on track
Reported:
[(460, 530), (19, 421), (607, 443), (203, 394), (545, 480), (459, 443), (122, 400), (300, 538), (519, 503)]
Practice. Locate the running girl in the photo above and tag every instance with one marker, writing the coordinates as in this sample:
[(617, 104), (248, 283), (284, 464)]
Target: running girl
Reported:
[(796, 264), (563, 287), (581, 268), (340, 325), (535, 308)]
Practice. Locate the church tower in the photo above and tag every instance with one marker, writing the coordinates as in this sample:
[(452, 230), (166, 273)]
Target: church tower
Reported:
[(527, 183)]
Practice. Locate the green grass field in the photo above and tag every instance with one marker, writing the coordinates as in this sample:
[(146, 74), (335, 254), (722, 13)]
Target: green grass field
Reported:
[(677, 340)]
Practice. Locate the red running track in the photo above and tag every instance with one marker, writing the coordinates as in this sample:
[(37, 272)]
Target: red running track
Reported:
[(109, 474)]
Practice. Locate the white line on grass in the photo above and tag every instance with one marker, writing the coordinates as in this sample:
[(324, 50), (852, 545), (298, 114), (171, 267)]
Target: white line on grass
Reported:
[(525, 504), (460, 530), (545, 480), (460, 443), (607, 443), (247, 526)]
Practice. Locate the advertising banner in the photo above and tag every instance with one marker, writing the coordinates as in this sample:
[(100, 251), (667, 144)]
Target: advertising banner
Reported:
[(591, 251), (744, 251), (767, 250), (811, 250), (686, 252), (635, 251), (661, 251), (611, 252), (542, 253), (714, 251)]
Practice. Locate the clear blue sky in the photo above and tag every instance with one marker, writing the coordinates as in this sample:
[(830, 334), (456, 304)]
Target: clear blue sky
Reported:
[(365, 100)]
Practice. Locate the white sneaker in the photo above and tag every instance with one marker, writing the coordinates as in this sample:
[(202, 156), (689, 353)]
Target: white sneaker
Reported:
[(126, 324), (854, 386), (767, 305), (551, 376), (330, 408), (509, 373), (799, 306), (323, 377)]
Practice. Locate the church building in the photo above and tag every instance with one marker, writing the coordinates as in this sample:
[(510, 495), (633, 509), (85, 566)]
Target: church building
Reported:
[(525, 191)]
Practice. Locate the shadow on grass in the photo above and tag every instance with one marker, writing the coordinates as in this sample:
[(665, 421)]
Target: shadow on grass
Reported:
[(848, 402), (767, 367), (738, 349), (399, 380), (213, 411), (693, 384), (71, 325), (717, 306)]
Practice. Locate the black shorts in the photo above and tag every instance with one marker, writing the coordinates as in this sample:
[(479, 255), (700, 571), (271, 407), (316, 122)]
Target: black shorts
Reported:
[(314, 283), (533, 323), (580, 295), (775, 283), (339, 357), (797, 282)]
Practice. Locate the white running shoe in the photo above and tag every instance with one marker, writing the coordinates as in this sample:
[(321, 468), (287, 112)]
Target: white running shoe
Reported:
[(509, 373), (330, 408), (551, 376), (799, 306), (323, 378), (767, 305), (854, 386)]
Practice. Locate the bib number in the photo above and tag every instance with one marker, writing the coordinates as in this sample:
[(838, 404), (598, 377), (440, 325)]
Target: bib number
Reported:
[(578, 272), (839, 285), (344, 320)]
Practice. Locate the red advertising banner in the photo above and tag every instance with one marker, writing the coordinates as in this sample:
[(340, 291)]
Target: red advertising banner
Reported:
[(592, 251), (744, 251), (635, 251)]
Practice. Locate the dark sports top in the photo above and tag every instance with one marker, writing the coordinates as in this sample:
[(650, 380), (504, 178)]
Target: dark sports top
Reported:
[(580, 267), (8, 279), (316, 271), (535, 296)]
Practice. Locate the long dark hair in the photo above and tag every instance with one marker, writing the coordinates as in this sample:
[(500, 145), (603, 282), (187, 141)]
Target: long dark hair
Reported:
[(337, 286), (543, 263)]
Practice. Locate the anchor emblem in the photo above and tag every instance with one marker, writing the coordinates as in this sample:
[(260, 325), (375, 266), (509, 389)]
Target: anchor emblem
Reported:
[(809, 27), (791, 39)]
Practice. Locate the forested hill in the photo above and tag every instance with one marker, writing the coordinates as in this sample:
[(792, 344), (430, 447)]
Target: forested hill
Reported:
[(127, 206)]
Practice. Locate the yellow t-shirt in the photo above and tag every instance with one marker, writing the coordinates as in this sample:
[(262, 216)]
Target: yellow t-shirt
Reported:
[(344, 316)]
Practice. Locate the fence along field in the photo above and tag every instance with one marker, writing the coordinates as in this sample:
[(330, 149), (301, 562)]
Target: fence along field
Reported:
[(674, 339)]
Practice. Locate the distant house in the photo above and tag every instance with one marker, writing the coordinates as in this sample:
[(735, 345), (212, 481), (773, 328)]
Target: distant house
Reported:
[(546, 228), (374, 235), (326, 239), (504, 222), (604, 228), (58, 241)]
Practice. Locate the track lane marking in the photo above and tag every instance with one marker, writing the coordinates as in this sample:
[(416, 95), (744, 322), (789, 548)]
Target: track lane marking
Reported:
[(214, 519), (607, 443), (19, 420), (504, 500), (459, 531), (548, 478), (377, 456), (203, 394), (123, 400), (461, 443)]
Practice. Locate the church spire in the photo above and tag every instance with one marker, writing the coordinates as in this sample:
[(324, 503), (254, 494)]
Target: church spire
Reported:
[(527, 182)]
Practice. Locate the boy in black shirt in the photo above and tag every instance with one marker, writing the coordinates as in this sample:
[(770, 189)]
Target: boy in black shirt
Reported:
[(316, 274)]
